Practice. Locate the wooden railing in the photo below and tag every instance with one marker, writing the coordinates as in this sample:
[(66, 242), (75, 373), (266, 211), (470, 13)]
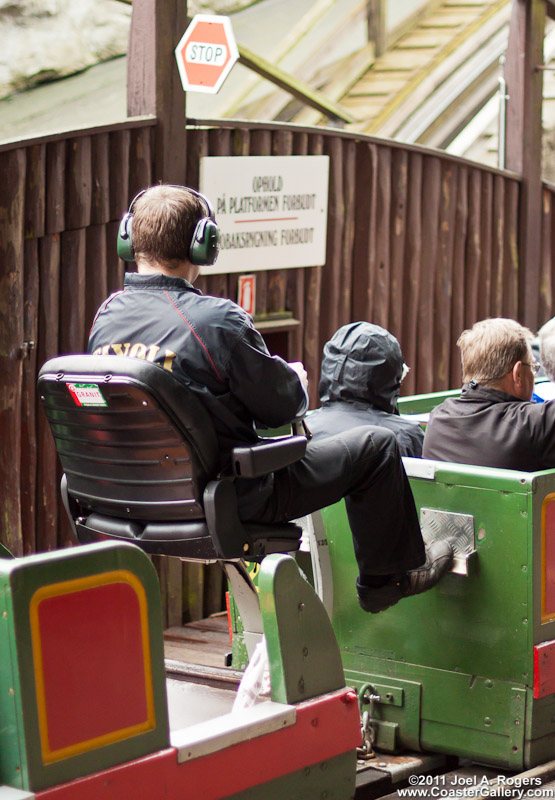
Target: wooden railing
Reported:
[(418, 241)]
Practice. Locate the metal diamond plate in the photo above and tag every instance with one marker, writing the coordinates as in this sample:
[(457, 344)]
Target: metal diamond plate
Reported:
[(438, 524)]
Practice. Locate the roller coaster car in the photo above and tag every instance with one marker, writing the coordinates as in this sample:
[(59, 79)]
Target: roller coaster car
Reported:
[(83, 698), (467, 668)]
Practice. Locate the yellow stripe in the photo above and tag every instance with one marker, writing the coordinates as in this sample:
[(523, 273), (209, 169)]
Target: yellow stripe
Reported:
[(68, 587)]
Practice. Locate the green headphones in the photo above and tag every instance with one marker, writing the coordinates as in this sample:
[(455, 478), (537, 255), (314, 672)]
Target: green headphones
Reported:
[(205, 242)]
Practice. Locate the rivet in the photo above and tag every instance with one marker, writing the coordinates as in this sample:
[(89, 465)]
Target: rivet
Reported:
[(301, 606), (487, 720)]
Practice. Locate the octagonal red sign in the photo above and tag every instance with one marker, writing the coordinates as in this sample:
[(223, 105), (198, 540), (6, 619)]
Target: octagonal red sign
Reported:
[(206, 53)]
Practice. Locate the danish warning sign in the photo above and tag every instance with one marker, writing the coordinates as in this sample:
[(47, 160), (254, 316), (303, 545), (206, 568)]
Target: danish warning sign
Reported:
[(272, 211)]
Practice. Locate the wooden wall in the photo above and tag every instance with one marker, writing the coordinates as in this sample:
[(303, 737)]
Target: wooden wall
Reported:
[(418, 241)]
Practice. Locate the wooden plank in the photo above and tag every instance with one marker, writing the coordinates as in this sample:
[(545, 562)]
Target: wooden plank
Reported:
[(364, 192), (380, 294), (402, 60), (174, 602), (497, 245), (96, 272), (523, 141), (47, 459), (219, 144), (296, 279), (282, 145), (443, 277), (35, 182), (545, 308), (345, 312), (72, 292), (261, 145), (78, 183), (214, 592), (115, 267), (73, 332), (140, 160), (510, 250), (197, 148), (12, 200), (413, 268), (153, 82), (484, 275), (431, 190), (459, 248), (312, 347), (55, 187), (399, 200), (331, 275), (120, 198), (29, 396), (193, 591), (473, 249), (100, 179)]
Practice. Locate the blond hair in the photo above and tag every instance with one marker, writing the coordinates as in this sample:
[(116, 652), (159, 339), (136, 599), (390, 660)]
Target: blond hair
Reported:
[(547, 348), (491, 348), (164, 220)]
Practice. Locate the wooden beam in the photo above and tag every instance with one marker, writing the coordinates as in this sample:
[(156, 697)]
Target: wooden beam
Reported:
[(524, 142), (302, 91), (153, 83)]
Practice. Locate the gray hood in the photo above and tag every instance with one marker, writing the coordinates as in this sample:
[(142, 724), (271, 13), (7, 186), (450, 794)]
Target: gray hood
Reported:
[(362, 362)]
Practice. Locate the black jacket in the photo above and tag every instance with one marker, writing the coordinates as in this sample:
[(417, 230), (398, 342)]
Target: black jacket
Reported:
[(360, 383), (492, 429), (207, 342)]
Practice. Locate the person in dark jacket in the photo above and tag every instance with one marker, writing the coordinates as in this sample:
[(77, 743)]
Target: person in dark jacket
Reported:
[(493, 423), (360, 381), (211, 345)]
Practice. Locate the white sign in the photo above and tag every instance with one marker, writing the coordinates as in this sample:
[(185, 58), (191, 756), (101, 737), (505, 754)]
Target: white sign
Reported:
[(272, 211)]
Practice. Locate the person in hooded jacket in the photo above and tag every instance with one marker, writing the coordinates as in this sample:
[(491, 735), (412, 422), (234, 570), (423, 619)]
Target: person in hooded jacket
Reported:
[(360, 381)]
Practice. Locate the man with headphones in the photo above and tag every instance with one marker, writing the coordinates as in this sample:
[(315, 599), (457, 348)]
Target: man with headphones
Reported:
[(211, 344)]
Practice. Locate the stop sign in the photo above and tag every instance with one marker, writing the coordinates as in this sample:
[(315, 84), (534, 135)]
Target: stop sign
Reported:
[(206, 53)]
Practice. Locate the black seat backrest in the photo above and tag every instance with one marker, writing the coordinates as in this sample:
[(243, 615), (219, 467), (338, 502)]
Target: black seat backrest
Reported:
[(122, 455)]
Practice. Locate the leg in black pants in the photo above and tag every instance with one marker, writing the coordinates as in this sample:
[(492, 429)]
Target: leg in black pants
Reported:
[(362, 465)]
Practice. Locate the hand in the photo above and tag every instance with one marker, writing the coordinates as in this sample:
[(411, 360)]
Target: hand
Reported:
[(298, 367)]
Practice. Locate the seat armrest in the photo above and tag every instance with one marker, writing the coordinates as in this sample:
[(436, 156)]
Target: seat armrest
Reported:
[(267, 456)]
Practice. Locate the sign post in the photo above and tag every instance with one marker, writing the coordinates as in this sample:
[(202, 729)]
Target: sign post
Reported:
[(206, 53)]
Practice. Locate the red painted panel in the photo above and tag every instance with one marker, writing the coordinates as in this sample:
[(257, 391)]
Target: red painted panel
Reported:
[(93, 664), (544, 669), (549, 555), (325, 727)]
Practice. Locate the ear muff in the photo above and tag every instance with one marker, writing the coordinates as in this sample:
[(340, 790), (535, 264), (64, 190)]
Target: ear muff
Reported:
[(205, 242), (125, 243)]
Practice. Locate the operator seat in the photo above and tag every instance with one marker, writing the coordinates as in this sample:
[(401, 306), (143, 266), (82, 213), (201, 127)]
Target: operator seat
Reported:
[(140, 459)]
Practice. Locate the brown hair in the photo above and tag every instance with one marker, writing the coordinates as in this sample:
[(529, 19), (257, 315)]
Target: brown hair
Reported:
[(491, 348), (164, 220)]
